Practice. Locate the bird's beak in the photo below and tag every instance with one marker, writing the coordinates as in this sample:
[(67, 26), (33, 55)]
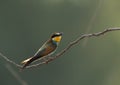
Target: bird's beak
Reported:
[(61, 33)]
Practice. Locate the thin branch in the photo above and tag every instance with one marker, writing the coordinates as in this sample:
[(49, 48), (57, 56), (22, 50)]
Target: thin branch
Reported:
[(71, 44), (9, 60)]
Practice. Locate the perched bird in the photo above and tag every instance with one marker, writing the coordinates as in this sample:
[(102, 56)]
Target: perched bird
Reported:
[(47, 48)]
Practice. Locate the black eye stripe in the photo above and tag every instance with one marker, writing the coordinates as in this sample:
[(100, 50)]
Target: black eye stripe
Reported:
[(56, 34)]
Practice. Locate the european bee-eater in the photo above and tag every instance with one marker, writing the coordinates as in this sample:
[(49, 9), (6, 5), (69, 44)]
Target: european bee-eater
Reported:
[(47, 48)]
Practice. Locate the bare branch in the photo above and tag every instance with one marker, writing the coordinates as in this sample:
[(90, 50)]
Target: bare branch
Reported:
[(71, 44), (10, 61)]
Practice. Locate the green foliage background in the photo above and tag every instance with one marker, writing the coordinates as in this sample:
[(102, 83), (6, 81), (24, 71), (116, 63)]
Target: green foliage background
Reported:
[(26, 24)]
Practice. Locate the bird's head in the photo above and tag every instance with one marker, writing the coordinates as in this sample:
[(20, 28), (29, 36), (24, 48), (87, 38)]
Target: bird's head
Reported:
[(56, 37)]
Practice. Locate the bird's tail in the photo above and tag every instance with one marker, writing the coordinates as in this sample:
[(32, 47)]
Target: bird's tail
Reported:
[(27, 62)]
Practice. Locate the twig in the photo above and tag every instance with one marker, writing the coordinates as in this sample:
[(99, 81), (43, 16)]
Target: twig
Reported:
[(10, 61), (71, 44)]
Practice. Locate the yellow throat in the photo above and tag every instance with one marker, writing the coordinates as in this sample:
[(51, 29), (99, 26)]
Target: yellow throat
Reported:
[(57, 38)]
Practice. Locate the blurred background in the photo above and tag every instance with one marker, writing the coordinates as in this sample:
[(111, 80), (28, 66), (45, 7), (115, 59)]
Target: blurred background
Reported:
[(26, 24)]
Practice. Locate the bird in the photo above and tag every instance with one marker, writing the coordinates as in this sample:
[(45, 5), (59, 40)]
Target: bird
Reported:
[(48, 48)]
